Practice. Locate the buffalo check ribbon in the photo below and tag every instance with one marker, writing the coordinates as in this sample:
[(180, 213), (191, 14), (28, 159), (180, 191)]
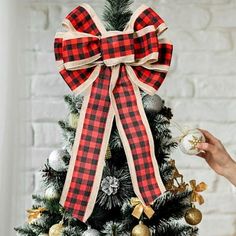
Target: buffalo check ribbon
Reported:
[(109, 68)]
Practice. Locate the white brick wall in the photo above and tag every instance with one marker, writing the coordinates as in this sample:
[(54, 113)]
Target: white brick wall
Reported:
[(200, 88)]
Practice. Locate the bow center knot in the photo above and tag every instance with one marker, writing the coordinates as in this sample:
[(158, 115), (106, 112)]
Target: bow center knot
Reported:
[(117, 48)]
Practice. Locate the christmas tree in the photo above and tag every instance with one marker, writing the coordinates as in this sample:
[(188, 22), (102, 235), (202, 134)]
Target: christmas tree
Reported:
[(117, 210)]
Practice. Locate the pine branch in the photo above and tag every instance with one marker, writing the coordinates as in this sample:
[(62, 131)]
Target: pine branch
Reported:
[(25, 230), (117, 14), (74, 103), (52, 177), (175, 228), (52, 205), (72, 231), (170, 206)]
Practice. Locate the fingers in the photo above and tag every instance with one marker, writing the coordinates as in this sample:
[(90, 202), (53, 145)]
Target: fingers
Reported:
[(210, 138), (201, 154), (206, 147)]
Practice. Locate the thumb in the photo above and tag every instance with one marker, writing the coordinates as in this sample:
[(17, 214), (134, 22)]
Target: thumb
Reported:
[(206, 147)]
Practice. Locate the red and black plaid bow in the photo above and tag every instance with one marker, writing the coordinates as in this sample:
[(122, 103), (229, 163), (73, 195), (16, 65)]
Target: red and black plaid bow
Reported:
[(109, 67)]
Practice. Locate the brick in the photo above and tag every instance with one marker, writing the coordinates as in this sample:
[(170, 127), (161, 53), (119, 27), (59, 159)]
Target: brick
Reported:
[(40, 41), (48, 110), (30, 183), (45, 63), (28, 63), (189, 17), (198, 2), (223, 16), (207, 110), (176, 86), (49, 86), (36, 157), (215, 86), (199, 40), (224, 203), (38, 17), (55, 16), (226, 133), (206, 63), (217, 224), (47, 135)]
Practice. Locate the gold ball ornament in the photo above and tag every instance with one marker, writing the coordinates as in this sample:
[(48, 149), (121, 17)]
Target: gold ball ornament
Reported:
[(193, 216), (141, 230), (56, 230), (189, 141)]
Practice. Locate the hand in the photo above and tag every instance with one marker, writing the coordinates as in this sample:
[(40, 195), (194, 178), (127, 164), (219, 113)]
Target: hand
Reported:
[(217, 157)]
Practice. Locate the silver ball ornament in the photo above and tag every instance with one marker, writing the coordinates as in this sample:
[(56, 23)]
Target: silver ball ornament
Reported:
[(152, 103), (56, 161), (51, 193), (91, 232), (189, 141)]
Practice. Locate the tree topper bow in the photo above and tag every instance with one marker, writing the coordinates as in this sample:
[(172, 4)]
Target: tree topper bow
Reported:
[(109, 68)]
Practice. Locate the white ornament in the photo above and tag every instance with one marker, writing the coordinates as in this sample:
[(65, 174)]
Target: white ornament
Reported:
[(43, 234), (51, 193), (56, 161), (91, 232), (73, 120), (189, 141)]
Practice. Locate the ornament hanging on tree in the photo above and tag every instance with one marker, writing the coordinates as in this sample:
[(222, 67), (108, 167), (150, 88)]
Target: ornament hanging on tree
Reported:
[(56, 230), (57, 160), (115, 188), (73, 120), (42, 234), (51, 193), (152, 103), (196, 189), (91, 232), (139, 208), (110, 185), (193, 216), (34, 214), (141, 230)]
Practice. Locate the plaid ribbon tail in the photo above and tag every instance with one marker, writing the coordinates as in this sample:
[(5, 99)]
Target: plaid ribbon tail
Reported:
[(91, 141), (136, 137)]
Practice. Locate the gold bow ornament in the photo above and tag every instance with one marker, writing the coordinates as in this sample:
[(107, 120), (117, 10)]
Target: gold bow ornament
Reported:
[(196, 197), (139, 208), (34, 214)]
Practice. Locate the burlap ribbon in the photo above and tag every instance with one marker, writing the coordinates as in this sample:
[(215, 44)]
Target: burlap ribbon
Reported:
[(109, 68)]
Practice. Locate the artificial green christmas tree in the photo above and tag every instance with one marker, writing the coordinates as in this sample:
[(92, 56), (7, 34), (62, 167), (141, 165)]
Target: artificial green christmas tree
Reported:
[(117, 211)]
